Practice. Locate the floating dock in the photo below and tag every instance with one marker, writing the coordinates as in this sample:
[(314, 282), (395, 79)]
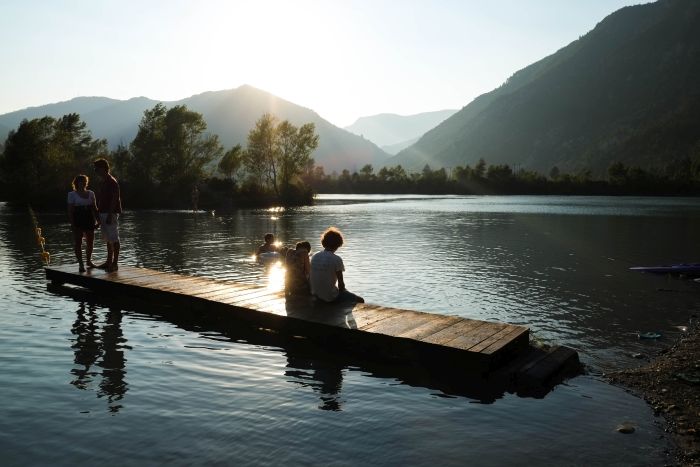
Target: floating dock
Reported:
[(450, 342)]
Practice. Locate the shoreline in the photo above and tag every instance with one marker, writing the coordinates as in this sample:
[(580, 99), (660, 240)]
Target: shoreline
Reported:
[(670, 384)]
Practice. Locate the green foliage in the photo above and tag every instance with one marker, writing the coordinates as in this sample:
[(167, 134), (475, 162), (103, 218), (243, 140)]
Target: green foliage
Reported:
[(231, 162), (169, 154), (501, 179), (41, 157), (277, 154)]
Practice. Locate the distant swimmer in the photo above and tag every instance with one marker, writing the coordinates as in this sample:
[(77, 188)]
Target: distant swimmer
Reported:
[(268, 246)]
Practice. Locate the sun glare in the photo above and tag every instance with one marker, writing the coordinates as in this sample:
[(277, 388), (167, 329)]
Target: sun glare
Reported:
[(275, 277)]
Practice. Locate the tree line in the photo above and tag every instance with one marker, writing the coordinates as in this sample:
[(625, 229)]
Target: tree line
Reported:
[(171, 163), (676, 178), (174, 163)]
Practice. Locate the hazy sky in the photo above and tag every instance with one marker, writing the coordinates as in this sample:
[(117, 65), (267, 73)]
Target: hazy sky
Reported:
[(343, 59)]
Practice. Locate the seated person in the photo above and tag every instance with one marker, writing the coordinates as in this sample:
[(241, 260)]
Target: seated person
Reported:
[(296, 279), (327, 271), (268, 246)]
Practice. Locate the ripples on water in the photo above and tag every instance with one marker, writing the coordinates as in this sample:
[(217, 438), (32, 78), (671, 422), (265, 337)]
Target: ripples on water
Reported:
[(87, 380)]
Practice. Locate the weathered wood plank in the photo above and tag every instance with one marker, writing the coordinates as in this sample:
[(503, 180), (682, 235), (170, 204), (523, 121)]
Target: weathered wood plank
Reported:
[(451, 332), (515, 334), (424, 330), (466, 341), (372, 327), (399, 323)]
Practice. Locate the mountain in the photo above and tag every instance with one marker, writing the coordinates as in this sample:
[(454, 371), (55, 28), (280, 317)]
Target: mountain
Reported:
[(396, 148), (391, 129), (230, 114), (627, 91)]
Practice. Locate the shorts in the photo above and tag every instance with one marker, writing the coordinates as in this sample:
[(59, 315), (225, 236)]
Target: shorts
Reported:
[(110, 232)]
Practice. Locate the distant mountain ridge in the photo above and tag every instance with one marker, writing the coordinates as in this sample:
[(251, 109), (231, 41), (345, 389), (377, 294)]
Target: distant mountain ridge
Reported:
[(627, 91), (230, 114), (394, 131)]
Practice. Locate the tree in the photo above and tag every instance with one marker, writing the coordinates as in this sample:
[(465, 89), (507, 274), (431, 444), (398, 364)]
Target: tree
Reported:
[(480, 169), (367, 172), (171, 150), (260, 157), (43, 155), (277, 153), (188, 149), (231, 162), (295, 148), (148, 148), (554, 173)]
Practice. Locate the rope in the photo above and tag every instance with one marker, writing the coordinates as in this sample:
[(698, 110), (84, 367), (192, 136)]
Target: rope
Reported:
[(40, 240)]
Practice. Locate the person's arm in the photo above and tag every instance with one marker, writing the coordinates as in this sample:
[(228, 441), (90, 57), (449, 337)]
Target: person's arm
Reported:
[(114, 196), (341, 282), (95, 212)]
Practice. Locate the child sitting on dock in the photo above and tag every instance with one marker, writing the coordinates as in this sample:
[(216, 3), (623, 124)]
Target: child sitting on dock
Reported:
[(298, 267), (327, 271)]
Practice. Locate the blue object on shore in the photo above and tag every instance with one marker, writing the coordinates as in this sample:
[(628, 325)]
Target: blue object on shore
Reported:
[(649, 335), (690, 269)]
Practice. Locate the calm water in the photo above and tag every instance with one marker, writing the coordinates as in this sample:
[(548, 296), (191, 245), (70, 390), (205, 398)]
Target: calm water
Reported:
[(86, 379)]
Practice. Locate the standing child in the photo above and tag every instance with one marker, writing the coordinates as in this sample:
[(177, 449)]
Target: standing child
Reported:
[(82, 212), (327, 271)]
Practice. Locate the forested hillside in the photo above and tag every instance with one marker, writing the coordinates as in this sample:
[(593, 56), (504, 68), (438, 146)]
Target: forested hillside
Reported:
[(230, 114), (627, 91)]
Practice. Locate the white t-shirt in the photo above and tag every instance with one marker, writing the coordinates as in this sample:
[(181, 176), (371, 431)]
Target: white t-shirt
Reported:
[(74, 199), (323, 278)]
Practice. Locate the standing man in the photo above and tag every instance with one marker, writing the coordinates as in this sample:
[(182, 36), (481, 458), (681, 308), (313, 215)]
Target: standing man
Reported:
[(109, 205)]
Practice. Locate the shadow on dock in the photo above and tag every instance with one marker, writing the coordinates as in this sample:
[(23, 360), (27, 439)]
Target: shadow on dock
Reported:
[(318, 361)]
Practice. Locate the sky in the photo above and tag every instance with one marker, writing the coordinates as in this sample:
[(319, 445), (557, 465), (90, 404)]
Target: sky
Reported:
[(343, 59)]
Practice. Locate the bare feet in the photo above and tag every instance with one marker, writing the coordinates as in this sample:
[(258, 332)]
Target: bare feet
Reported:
[(91, 265), (81, 267), (112, 267)]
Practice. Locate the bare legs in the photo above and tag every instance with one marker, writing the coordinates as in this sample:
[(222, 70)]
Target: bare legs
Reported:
[(112, 257), (78, 247), (89, 243)]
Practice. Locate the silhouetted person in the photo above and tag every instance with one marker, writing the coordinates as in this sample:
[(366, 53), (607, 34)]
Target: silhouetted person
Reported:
[(268, 246), (109, 205), (327, 268), (298, 268), (82, 213)]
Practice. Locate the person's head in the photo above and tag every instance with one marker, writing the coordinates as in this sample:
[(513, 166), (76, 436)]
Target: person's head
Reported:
[(269, 238), (332, 239), (303, 246), (79, 182), (101, 166)]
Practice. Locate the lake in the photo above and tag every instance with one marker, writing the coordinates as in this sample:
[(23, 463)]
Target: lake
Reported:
[(88, 379)]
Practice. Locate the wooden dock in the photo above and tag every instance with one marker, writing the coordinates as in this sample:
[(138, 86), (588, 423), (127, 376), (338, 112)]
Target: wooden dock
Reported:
[(458, 344)]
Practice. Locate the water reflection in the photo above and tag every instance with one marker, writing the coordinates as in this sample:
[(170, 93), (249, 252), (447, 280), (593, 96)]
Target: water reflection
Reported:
[(323, 377), (94, 341), (317, 363)]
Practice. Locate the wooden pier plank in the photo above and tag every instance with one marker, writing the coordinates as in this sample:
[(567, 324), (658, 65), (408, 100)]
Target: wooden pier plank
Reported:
[(466, 341), (439, 323), (399, 323), (480, 341), (453, 331)]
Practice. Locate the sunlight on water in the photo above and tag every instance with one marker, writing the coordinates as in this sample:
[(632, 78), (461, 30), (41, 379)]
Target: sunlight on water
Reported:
[(275, 276), (80, 368)]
